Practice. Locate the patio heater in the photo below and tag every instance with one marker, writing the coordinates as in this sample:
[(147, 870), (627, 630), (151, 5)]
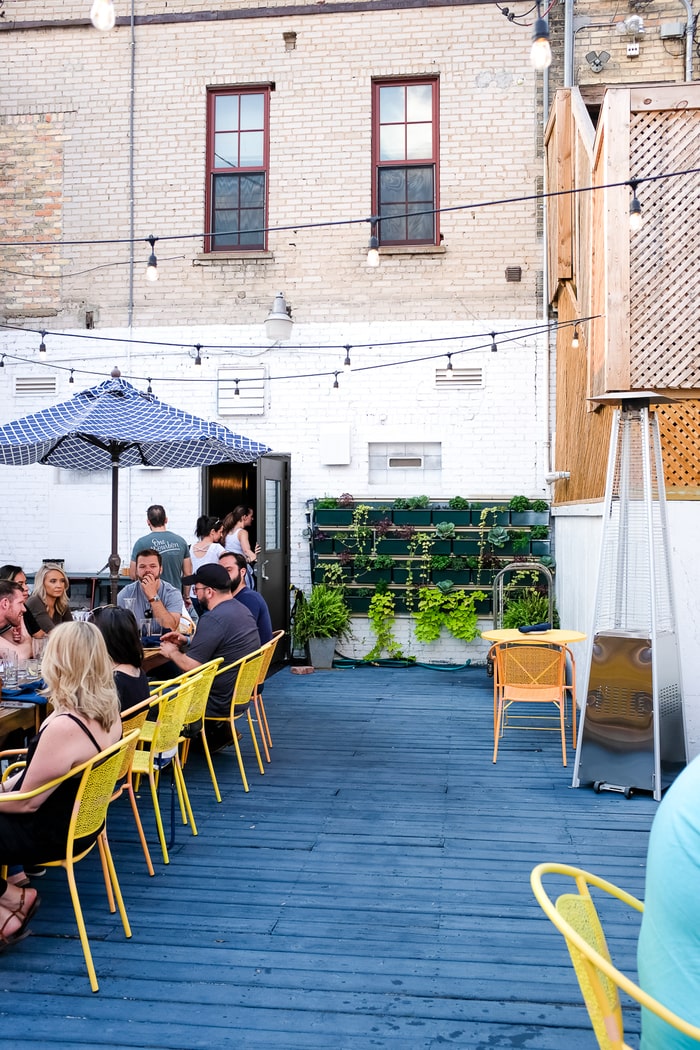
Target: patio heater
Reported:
[(632, 730)]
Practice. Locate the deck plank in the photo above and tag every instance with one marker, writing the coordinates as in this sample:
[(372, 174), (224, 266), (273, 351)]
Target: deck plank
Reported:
[(371, 891)]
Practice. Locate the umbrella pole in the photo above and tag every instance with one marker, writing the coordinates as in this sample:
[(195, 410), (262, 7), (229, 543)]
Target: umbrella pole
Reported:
[(114, 559)]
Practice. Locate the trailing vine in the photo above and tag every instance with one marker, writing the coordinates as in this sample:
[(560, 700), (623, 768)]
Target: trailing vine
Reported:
[(382, 615), (454, 610)]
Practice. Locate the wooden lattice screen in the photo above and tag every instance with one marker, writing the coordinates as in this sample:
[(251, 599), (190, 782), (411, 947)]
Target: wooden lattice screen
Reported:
[(679, 427), (665, 253)]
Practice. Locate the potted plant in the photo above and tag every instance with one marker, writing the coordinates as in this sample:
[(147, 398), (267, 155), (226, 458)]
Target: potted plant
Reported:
[(323, 617), (327, 511), (415, 510), (456, 511)]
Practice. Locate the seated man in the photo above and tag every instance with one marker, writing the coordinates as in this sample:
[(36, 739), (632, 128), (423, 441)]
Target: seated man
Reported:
[(236, 566), (228, 630), (14, 636), (151, 594)]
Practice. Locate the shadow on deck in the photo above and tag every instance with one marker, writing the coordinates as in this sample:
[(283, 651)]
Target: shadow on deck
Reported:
[(370, 892)]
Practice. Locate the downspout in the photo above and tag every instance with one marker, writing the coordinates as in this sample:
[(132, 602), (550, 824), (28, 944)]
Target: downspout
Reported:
[(132, 93), (689, 26)]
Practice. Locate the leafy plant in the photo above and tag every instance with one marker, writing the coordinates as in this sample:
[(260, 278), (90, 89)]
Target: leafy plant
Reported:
[(444, 585), (454, 610), (405, 532), (324, 614), (383, 527), (519, 504), (345, 558), (383, 561), (333, 574), (440, 562), (418, 502), (362, 563), (445, 530), (400, 504), (521, 541), (527, 607), (326, 503), (346, 500), (539, 532), (458, 503), (360, 529), (382, 615), (498, 536), (540, 506)]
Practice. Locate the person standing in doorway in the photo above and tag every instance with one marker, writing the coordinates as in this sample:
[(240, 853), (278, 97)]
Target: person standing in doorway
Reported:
[(172, 548), (234, 531)]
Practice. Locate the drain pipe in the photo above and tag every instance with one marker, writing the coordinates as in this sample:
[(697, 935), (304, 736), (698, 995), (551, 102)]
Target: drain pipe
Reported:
[(689, 26), (132, 94)]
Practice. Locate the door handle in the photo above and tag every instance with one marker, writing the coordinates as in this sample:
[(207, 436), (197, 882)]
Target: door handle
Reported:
[(263, 574)]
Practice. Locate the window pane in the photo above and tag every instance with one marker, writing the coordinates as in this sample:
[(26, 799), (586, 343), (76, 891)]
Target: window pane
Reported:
[(392, 142), (234, 222), (252, 191), (419, 141), (392, 229), (419, 102), (226, 151), (251, 149), (226, 113), (420, 184), (392, 185), (391, 104), (226, 191), (420, 227), (252, 111), (273, 515)]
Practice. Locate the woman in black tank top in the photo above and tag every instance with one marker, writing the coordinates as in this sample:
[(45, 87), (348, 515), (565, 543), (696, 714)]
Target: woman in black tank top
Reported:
[(85, 720)]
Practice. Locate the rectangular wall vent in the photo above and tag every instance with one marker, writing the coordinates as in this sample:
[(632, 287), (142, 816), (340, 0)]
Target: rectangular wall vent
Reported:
[(250, 399), (459, 377), (35, 386)]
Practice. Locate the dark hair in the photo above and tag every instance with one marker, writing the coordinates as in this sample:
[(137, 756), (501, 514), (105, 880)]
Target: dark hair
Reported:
[(120, 631), (233, 517), (8, 588), (241, 560), (148, 553), (156, 515), (8, 572), (205, 525)]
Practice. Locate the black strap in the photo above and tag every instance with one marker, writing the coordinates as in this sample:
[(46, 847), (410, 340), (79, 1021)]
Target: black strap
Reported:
[(82, 725)]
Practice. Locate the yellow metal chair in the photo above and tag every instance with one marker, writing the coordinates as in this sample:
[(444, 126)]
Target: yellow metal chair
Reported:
[(98, 777), (260, 713), (162, 738), (243, 692), (202, 678), (576, 918), (531, 674)]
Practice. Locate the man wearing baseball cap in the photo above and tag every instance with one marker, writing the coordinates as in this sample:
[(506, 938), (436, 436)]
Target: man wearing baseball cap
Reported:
[(227, 629)]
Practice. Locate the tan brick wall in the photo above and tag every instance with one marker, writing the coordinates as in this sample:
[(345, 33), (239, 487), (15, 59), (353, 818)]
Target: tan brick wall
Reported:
[(320, 161)]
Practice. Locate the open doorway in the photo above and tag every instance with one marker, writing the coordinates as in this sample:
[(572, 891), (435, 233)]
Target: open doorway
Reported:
[(264, 486)]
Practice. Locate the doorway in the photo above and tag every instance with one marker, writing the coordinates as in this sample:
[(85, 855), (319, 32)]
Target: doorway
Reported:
[(264, 486)]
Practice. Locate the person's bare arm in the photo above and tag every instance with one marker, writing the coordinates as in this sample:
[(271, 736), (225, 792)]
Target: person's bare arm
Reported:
[(170, 648), (169, 620)]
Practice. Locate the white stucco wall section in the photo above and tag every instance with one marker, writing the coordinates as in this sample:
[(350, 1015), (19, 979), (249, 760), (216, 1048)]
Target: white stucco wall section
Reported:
[(578, 532)]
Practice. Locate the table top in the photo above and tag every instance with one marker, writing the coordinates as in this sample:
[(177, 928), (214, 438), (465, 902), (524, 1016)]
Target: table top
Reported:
[(16, 715), (556, 636)]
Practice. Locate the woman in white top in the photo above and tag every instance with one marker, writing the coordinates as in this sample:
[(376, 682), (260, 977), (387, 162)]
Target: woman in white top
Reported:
[(207, 549), (235, 532)]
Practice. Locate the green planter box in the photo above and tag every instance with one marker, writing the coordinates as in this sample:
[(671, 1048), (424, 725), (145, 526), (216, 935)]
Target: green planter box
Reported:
[(372, 576), (323, 546), (529, 517), (540, 547), (399, 574), (411, 517), (459, 579), (464, 546), (387, 545), (333, 516), (359, 605), (457, 517), (501, 517), (441, 547)]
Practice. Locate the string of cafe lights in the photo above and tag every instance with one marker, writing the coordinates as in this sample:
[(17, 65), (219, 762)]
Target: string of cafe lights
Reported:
[(492, 340)]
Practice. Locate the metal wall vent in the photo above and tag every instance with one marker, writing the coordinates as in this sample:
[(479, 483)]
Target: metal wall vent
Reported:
[(35, 386), (459, 377), (514, 274), (250, 399)]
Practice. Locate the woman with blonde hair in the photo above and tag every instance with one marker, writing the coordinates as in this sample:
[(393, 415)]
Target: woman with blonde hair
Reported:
[(48, 604), (85, 720), (234, 530)]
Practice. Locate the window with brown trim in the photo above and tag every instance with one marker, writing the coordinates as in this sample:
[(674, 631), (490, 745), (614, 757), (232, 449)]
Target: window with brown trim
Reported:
[(405, 147), (237, 164)]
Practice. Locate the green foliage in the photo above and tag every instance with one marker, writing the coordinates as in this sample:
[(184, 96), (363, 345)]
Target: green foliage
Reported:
[(440, 562), (400, 503), (326, 503), (418, 502), (521, 541), (333, 574), (458, 503), (540, 506), (453, 610), (527, 607), (382, 561), (498, 536), (346, 500), (360, 528), (445, 530), (324, 614), (539, 532), (519, 504), (382, 614)]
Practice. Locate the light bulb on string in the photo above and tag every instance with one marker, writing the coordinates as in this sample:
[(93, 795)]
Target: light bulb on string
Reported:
[(102, 15), (541, 51), (42, 346), (149, 388), (236, 391), (636, 217), (336, 384), (574, 341), (152, 267), (494, 345), (373, 246), (2, 361), (347, 365), (450, 372), (70, 379), (198, 359)]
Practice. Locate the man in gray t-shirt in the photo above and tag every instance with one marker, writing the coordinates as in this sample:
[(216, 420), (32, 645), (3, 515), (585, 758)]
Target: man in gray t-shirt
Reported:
[(151, 593), (173, 549)]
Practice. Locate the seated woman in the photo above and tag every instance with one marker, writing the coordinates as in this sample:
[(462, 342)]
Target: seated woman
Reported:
[(48, 604), (120, 631), (85, 720)]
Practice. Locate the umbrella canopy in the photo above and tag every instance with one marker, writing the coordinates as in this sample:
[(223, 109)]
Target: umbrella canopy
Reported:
[(115, 425)]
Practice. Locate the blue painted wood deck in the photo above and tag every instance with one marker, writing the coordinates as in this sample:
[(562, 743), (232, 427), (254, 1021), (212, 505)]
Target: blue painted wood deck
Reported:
[(370, 892)]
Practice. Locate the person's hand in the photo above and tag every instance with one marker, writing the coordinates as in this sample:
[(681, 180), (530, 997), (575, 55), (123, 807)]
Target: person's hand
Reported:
[(169, 649), (149, 585), (174, 638)]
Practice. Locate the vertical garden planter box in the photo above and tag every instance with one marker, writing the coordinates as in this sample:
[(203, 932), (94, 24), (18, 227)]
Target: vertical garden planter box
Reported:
[(465, 545), (496, 517), (418, 518), (457, 517), (359, 603), (329, 517), (399, 574), (324, 546), (387, 545), (540, 547)]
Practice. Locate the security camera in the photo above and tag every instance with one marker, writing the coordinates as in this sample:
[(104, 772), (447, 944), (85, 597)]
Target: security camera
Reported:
[(557, 475)]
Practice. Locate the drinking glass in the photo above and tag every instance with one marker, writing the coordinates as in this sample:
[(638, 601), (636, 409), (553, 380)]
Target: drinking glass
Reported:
[(9, 669)]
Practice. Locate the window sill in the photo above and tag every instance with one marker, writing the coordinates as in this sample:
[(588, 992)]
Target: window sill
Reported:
[(412, 249), (208, 258)]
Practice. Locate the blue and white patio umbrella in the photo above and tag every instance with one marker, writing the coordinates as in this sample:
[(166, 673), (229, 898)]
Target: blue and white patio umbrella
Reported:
[(114, 425)]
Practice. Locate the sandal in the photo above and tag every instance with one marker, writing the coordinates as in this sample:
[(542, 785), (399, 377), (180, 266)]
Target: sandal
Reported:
[(20, 879), (22, 931)]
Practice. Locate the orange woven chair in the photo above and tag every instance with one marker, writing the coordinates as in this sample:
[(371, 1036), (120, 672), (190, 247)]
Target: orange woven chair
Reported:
[(531, 674)]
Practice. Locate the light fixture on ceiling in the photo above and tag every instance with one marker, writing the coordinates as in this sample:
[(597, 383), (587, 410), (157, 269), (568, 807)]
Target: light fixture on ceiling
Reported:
[(278, 323), (541, 51)]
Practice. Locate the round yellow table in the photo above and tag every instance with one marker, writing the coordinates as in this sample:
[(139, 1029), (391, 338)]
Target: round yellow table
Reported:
[(555, 636)]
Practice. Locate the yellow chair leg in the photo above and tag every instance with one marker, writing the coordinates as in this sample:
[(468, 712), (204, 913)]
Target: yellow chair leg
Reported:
[(81, 927), (210, 764), (139, 828), (183, 794), (255, 743), (159, 819), (258, 718), (239, 756), (105, 870)]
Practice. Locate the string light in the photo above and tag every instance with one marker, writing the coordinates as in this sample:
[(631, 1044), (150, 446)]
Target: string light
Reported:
[(541, 51), (42, 345), (152, 267), (574, 341), (336, 384), (494, 347), (346, 363), (450, 372), (102, 15), (2, 361), (636, 217), (198, 359), (71, 380), (373, 246), (150, 388), (236, 392)]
